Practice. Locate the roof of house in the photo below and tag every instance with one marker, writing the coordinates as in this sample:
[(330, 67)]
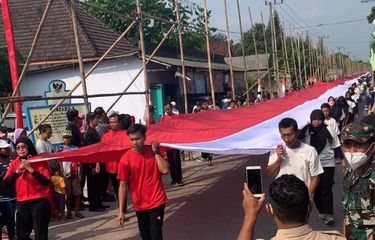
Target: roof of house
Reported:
[(251, 62), (56, 42)]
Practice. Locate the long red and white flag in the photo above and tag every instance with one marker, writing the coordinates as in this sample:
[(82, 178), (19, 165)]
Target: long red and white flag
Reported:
[(248, 130)]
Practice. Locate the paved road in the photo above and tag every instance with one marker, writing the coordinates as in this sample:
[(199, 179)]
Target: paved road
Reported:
[(207, 207)]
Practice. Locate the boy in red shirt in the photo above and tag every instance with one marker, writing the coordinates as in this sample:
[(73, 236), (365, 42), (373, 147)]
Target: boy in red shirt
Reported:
[(141, 169)]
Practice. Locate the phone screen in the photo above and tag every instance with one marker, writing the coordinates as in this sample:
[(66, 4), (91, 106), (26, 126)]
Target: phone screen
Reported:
[(254, 180)]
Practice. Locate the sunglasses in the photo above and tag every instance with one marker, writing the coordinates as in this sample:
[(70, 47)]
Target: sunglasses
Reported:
[(19, 147)]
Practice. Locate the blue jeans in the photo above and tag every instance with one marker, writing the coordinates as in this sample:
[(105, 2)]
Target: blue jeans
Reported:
[(7, 210)]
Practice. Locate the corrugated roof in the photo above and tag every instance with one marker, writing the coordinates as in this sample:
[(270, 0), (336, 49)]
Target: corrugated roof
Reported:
[(56, 42), (251, 63), (189, 63)]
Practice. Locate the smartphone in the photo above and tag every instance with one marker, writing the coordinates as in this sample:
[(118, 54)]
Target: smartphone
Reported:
[(254, 180)]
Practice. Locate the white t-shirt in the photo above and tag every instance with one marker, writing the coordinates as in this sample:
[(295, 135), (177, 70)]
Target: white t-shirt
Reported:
[(303, 162), (327, 155), (331, 122), (351, 106), (44, 147)]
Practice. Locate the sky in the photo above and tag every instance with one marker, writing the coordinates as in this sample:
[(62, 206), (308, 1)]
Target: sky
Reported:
[(351, 38)]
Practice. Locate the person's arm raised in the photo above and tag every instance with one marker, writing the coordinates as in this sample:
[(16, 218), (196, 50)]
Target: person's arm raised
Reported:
[(163, 165)]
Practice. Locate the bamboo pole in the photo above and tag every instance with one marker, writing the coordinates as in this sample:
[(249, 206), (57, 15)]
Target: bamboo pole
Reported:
[(284, 54), (293, 53), (299, 60), (28, 59), (209, 55), (80, 60), (243, 51), (40, 98), (277, 78), (142, 69), (87, 74), (310, 57), (304, 57), (229, 51), (256, 52), (143, 53), (180, 42), (286, 51), (265, 45)]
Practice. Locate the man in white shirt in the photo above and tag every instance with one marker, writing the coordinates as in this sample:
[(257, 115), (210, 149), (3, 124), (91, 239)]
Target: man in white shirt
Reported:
[(295, 157)]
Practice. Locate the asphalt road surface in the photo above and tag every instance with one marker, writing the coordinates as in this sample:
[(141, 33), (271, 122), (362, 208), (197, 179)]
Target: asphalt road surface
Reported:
[(208, 206)]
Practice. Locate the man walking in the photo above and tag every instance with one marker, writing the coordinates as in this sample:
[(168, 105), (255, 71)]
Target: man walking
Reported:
[(295, 157), (140, 170), (173, 155)]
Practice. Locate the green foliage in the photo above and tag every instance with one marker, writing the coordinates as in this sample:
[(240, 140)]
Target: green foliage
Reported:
[(5, 78), (371, 17), (192, 14)]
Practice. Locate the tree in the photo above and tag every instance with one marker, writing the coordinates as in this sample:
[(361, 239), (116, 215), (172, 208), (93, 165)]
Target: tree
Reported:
[(190, 14), (5, 78)]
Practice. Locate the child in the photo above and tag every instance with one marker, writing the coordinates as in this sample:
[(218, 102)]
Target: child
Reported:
[(59, 192), (72, 178)]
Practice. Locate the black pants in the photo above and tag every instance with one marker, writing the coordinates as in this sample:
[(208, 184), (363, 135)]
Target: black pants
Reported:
[(174, 160), (150, 223), (103, 182), (93, 189), (33, 214), (114, 181), (8, 210), (323, 196)]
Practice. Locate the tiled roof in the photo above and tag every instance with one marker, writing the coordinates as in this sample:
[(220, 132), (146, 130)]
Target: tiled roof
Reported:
[(56, 42)]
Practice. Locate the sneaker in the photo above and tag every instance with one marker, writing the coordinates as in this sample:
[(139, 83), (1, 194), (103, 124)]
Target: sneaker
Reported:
[(329, 220)]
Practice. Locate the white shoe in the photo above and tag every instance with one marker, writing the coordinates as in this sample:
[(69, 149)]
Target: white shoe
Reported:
[(322, 216)]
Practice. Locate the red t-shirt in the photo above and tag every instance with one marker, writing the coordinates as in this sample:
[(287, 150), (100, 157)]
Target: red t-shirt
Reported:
[(112, 167), (141, 172), (166, 117), (27, 187)]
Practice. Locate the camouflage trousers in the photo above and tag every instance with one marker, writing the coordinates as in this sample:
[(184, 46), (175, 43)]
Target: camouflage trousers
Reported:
[(353, 233)]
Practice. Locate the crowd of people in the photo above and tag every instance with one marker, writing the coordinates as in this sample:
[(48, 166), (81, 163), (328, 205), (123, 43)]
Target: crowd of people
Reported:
[(33, 192), (304, 165)]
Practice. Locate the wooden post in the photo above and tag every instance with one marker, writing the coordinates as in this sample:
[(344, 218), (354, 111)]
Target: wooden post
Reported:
[(143, 53), (243, 52), (80, 60), (209, 55), (265, 46), (229, 51), (28, 60), (87, 74), (180, 41), (275, 49), (304, 57), (256, 52)]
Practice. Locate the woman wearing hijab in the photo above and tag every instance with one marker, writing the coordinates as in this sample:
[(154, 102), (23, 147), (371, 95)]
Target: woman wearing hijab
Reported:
[(19, 132), (324, 140), (32, 183)]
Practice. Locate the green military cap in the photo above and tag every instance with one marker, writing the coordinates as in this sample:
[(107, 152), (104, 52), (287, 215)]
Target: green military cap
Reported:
[(358, 132), (66, 133)]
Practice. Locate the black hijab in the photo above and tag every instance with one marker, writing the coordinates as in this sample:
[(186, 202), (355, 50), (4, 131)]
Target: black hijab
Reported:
[(318, 135), (30, 146)]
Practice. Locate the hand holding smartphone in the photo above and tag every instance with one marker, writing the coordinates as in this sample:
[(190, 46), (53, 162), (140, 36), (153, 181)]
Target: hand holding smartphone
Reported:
[(254, 180)]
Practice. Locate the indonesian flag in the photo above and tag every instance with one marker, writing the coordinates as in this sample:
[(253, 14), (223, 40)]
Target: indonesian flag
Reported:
[(247, 130)]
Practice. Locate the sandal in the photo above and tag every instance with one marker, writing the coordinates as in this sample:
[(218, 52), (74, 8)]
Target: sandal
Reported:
[(79, 215)]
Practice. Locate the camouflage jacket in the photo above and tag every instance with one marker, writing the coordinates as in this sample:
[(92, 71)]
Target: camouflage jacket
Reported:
[(359, 200)]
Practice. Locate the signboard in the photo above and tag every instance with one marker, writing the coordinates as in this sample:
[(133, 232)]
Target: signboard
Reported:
[(57, 88), (57, 120)]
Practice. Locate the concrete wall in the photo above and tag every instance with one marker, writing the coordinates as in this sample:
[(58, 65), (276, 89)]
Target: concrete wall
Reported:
[(111, 76)]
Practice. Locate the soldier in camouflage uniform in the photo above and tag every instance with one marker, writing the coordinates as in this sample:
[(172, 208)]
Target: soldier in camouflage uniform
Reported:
[(359, 181)]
